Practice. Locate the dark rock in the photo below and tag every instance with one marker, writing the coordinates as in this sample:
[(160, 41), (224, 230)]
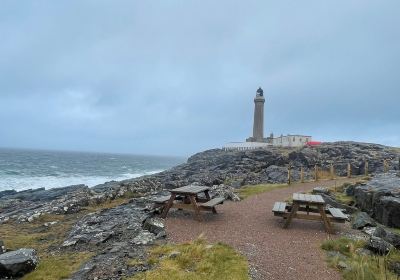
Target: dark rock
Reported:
[(349, 189), (225, 191), (387, 211), (388, 236), (342, 265), (154, 225), (364, 252), (7, 193), (379, 246), (395, 267), (331, 201), (41, 194), (18, 263), (320, 190), (380, 198), (361, 219), (2, 247), (144, 237)]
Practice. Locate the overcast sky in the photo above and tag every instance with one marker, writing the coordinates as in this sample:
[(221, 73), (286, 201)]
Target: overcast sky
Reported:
[(178, 77)]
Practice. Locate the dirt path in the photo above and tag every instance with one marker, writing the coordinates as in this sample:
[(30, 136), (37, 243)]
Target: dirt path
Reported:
[(251, 228)]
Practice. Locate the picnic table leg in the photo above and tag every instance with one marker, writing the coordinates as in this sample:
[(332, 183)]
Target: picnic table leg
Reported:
[(168, 206), (327, 223), (195, 207), (209, 198), (295, 207)]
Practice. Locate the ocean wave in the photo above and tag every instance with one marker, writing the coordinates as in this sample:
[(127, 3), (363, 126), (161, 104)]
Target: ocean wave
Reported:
[(23, 183)]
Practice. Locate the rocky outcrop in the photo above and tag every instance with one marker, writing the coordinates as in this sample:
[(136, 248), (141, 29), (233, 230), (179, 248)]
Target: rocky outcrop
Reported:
[(18, 263), (380, 198), (387, 235), (361, 220), (124, 231)]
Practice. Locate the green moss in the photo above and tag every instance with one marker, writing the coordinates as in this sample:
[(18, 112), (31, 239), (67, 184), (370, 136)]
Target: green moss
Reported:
[(250, 190), (58, 266), (394, 230), (360, 266), (195, 261)]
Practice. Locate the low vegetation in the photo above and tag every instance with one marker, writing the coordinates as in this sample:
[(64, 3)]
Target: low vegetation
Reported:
[(250, 190), (349, 258), (46, 240), (196, 261)]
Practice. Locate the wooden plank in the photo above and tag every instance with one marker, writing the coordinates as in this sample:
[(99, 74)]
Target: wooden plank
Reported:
[(279, 207), (168, 206), (190, 189), (291, 215), (328, 226), (161, 199), (213, 202), (337, 213)]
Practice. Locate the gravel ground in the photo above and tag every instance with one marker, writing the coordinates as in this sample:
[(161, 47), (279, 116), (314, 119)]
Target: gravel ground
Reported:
[(251, 228)]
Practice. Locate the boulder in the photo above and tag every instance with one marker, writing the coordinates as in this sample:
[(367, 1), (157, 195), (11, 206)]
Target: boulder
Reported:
[(2, 247), (154, 225), (144, 237), (379, 246), (320, 190), (387, 211), (225, 191), (388, 236), (330, 200), (380, 198), (18, 263), (394, 266), (361, 219)]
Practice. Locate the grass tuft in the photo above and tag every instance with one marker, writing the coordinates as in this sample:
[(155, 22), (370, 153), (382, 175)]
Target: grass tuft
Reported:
[(251, 190), (358, 266), (196, 261)]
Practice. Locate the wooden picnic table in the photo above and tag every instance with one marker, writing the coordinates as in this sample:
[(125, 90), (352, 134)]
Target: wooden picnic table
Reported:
[(189, 199), (303, 205)]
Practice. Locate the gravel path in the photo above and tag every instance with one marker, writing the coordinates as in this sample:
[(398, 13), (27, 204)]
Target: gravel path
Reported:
[(251, 228)]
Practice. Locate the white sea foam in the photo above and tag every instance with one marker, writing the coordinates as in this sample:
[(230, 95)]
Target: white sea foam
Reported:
[(22, 183)]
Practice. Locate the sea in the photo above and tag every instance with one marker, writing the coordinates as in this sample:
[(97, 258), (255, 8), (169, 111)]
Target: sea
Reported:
[(29, 169)]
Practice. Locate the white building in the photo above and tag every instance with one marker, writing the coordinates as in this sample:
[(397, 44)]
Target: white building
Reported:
[(290, 140), (258, 141)]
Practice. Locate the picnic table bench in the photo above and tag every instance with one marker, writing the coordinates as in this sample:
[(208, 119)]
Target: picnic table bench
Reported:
[(303, 205), (187, 197)]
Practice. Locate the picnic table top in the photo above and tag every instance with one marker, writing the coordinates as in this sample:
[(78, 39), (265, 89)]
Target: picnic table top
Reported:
[(308, 198), (190, 189)]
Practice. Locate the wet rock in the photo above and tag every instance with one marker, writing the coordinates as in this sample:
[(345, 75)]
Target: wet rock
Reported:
[(361, 219), (388, 236), (18, 263), (379, 246)]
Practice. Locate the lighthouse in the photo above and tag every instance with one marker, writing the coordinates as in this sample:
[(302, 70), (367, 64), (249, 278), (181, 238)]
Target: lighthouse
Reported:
[(258, 123)]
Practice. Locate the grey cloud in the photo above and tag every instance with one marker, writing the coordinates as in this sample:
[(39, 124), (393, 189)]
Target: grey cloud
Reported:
[(176, 77)]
